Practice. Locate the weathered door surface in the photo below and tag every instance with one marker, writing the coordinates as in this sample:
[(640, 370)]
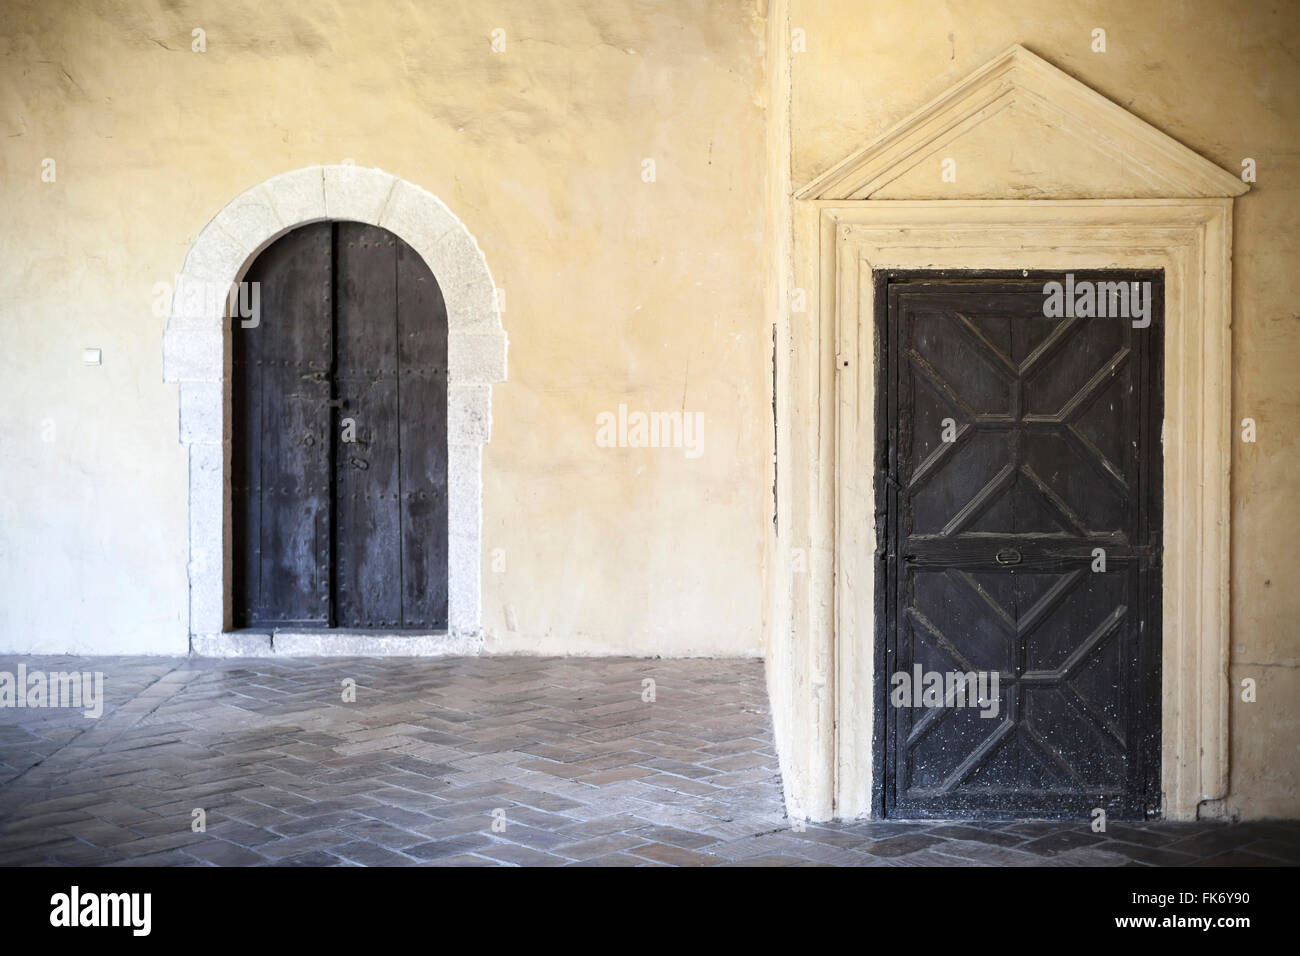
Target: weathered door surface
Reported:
[(339, 457), (1018, 486)]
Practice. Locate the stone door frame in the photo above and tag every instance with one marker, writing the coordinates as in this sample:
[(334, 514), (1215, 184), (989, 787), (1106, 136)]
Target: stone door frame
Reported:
[(1190, 240)]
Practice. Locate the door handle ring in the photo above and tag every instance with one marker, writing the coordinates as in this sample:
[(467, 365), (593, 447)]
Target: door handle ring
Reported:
[(1007, 556)]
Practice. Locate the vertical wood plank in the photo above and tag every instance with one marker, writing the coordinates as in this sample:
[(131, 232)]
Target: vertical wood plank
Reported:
[(367, 535), (422, 383), (280, 458)]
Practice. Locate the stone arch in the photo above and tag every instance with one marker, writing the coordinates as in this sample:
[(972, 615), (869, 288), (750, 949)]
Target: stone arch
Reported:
[(196, 357)]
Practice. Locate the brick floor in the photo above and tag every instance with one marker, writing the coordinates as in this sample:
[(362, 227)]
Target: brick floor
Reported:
[(513, 761)]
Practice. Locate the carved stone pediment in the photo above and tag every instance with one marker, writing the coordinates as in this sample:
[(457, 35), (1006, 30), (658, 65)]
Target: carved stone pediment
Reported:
[(1019, 128)]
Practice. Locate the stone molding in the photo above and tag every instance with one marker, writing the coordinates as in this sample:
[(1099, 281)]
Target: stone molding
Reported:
[(1147, 202)]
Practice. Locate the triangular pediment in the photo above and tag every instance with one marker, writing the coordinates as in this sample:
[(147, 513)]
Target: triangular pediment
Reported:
[(1019, 128)]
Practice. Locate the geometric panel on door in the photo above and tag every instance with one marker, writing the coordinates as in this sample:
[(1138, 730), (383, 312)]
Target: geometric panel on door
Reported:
[(339, 452)]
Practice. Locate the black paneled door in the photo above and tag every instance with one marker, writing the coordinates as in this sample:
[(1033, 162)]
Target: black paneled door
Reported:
[(339, 452), (1019, 489)]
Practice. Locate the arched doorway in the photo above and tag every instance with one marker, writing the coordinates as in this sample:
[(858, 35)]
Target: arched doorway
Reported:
[(197, 356), (339, 435)]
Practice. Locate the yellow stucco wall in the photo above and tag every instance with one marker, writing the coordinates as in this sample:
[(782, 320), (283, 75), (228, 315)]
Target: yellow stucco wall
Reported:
[(616, 290)]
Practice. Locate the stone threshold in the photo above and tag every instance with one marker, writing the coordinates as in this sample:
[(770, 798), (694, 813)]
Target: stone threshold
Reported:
[(276, 642)]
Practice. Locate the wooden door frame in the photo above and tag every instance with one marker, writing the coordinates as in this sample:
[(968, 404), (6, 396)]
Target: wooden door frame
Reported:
[(1144, 693), (1190, 240), (197, 353)]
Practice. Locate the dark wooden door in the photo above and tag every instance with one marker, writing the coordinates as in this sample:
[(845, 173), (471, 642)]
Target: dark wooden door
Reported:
[(339, 457), (1015, 450)]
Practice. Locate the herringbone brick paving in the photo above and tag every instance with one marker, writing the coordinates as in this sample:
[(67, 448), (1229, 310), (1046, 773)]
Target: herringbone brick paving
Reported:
[(477, 761)]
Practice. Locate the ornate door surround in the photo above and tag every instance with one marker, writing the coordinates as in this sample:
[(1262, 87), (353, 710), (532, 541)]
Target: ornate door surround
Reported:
[(1139, 200)]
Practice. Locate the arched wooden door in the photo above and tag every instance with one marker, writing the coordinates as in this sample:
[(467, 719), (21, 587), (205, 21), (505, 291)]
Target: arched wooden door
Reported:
[(339, 428)]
